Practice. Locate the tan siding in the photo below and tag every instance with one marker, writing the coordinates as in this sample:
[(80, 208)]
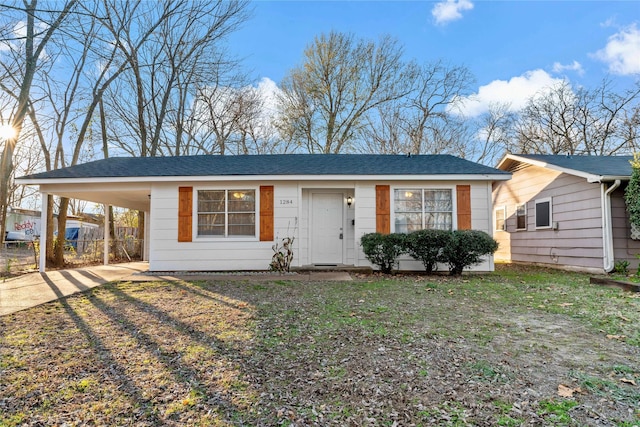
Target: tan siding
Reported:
[(623, 247), (576, 207)]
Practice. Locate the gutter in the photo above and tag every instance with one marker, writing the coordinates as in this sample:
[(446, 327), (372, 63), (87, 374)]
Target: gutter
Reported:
[(607, 227)]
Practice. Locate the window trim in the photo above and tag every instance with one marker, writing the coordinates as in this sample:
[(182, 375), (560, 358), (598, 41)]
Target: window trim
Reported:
[(256, 211), (541, 201), (524, 206), (504, 218), (454, 201)]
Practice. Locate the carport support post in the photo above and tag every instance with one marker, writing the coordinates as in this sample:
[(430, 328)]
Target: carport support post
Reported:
[(43, 232), (106, 234)]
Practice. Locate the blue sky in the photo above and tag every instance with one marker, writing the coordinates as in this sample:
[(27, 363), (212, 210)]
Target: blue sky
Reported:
[(513, 48)]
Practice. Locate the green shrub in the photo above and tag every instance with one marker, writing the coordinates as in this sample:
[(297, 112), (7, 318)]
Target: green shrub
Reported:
[(383, 250), (621, 267), (466, 248), (632, 192), (427, 245)]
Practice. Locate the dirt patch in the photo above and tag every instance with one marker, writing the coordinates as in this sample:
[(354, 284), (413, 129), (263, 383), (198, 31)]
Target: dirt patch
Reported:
[(375, 351)]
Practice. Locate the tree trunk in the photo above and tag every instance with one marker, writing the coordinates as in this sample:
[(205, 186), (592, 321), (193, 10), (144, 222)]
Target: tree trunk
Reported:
[(62, 225)]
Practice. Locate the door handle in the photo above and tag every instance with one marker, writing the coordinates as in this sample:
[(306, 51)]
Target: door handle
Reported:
[(341, 236)]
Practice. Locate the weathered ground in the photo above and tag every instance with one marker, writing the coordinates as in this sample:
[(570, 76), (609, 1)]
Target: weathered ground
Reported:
[(519, 347), (15, 258)]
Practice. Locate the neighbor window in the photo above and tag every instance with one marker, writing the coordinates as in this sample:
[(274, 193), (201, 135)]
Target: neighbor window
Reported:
[(501, 218), (227, 213), (521, 216), (422, 208), (543, 213)]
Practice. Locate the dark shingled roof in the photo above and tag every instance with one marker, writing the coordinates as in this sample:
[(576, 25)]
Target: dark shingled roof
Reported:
[(276, 164), (596, 165)]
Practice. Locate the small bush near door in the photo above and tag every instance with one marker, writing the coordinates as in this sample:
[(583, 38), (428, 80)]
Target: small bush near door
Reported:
[(383, 250)]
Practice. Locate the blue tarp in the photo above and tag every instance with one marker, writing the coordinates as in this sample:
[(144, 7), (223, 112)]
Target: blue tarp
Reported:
[(71, 237)]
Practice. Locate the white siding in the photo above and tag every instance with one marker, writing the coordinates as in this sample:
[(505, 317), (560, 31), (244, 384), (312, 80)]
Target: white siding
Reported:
[(366, 215), (291, 219), (167, 254)]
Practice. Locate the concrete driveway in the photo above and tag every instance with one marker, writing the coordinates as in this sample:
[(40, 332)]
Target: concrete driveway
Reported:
[(33, 289)]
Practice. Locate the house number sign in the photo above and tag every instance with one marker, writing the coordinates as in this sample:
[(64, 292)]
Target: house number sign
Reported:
[(286, 201)]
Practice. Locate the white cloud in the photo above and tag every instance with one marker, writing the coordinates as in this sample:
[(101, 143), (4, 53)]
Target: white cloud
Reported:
[(515, 93), (269, 92), (450, 10), (622, 52), (574, 66)]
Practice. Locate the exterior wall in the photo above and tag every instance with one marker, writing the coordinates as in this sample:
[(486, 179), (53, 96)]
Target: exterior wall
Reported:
[(576, 209), (207, 254), (624, 248), (366, 219), (291, 219)]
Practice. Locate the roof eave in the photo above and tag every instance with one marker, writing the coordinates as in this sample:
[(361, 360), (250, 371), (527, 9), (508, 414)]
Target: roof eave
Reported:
[(588, 176), (226, 178)]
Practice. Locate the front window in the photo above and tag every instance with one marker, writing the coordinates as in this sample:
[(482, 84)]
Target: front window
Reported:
[(418, 209), (227, 213)]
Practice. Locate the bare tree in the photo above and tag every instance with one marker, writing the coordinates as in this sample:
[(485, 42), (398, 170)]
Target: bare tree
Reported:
[(183, 53), (583, 121), (494, 134), (605, 119), (325, 100), (420, 122), (25, 50)]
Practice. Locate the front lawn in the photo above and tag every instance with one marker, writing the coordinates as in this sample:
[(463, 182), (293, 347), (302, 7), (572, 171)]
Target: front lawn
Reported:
[(517, 347)]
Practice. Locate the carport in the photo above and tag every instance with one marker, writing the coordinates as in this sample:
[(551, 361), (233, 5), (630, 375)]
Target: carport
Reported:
[(107, 191)]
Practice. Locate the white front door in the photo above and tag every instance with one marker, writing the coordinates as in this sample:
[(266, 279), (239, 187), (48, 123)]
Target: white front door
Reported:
[(327, 228)]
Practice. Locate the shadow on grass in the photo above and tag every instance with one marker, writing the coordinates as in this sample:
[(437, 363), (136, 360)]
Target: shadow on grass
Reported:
[(104, 354), (125, 314)]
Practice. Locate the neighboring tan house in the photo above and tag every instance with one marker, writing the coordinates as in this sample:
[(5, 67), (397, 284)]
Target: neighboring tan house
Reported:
[(224, 213), (565, 211)]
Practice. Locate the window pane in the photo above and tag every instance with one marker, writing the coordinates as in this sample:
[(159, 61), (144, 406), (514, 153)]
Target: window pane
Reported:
[(521, 217), (242, 201), (438, 221), (211, 201), (242, 224), (408, 222), (407, 200), (437, 201), (211, 224), (543, 214)]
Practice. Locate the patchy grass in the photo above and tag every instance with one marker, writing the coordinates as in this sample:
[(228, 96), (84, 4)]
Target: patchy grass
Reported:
[(405, 350)]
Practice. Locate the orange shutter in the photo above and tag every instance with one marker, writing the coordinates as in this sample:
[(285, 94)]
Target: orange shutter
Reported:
[(266, 213), (185, 213), (463, 194), (383, 209)]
